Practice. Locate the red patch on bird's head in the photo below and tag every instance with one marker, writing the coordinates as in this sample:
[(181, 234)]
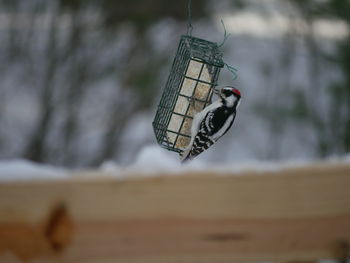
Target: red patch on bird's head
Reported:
[(236, 91)]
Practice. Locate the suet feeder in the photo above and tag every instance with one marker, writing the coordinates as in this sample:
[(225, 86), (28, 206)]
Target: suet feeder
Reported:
[(188, 90)]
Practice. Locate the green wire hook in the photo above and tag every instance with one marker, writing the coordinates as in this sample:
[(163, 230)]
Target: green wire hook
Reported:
[(189, 18), (233, 70), (225, 34)]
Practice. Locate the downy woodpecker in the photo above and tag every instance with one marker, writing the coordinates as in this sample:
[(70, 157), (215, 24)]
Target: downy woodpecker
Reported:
[(212, 122)]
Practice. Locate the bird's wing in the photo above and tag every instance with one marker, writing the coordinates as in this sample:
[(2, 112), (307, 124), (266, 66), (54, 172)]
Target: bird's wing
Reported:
[(222, 125), (202, 140), (213, 126)]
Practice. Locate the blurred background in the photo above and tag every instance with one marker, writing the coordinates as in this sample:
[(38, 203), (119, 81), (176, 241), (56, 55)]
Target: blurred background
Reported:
[(80, 79)]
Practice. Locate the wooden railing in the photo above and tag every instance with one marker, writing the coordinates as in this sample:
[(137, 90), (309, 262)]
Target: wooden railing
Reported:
[(299, 214)]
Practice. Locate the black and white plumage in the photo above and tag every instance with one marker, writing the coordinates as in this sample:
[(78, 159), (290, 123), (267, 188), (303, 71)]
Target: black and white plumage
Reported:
[(212, 122)]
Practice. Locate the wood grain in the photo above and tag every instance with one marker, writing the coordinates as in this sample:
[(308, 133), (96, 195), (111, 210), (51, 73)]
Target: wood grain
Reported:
[(300, 214)]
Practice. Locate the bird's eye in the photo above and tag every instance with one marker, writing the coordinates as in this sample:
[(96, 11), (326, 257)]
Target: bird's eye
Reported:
[(227, 92)]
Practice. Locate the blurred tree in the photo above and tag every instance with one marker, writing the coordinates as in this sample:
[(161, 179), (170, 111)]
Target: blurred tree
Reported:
[(322, 106), (341, 92), (333, 128), (36, 146)]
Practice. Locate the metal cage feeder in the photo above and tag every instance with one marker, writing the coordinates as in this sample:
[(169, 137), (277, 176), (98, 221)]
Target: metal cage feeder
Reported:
[(188, 90)]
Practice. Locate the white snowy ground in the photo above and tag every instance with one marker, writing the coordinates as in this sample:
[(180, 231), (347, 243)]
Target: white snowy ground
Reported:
[(15, 170), (151, 160)]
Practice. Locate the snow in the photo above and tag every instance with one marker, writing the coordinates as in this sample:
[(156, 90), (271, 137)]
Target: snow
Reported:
[(155, 159), (15, 170), (152, 160)]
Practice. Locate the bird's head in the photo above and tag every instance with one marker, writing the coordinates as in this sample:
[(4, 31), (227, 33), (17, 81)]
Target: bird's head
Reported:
[(231, 96)]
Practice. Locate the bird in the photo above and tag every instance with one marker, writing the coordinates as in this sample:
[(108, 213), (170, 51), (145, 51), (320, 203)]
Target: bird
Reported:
[(210, 124)]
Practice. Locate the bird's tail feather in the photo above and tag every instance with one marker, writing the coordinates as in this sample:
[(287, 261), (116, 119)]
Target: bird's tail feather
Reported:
[(185, 155)]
